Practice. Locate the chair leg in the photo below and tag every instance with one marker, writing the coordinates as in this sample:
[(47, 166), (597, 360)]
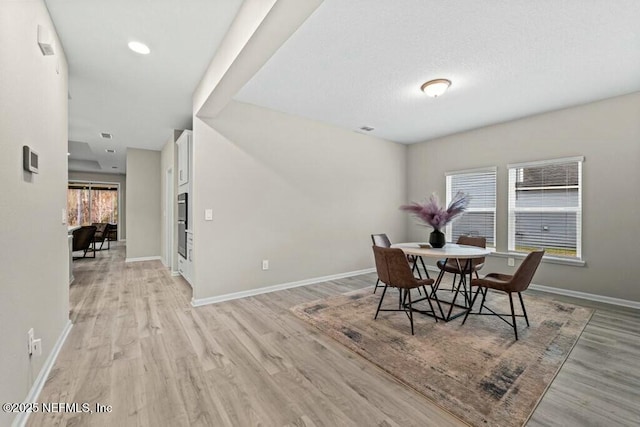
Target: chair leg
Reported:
[(376, 287), (524, 311), (380, 303), (408, 292), (513, 316)]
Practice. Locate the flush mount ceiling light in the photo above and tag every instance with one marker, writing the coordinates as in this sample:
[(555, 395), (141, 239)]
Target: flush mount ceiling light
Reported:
[(435, 88), (140, 48)]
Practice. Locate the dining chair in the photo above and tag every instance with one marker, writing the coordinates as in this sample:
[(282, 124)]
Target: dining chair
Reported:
[(394, 271), (103, 230), (82, 240), (381, 240), (516, 283), (451, 265)]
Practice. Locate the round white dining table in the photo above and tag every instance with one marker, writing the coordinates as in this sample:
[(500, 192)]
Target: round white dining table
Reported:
[(449, 251)]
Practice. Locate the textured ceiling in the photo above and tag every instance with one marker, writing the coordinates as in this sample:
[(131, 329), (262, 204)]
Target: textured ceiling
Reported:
[(361, 62), (138, 99)]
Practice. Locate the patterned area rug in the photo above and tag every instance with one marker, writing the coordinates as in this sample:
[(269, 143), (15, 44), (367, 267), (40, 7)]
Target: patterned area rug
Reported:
[(478, 372)]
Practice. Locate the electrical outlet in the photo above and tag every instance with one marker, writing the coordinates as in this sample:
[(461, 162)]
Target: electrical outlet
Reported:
[(511, 262), (37, 347), (30, 341), (265, 264)]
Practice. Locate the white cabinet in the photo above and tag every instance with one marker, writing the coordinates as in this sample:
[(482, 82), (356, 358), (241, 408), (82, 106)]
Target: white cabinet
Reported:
[(184, 157), (185, 184), (185, 266)]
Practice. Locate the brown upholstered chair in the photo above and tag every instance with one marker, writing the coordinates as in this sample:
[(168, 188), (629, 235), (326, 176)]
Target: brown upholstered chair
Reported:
[(381, 240), (103, 230), (112, 234), (393, 270), (517, 283), (82, 240), (451, 265)]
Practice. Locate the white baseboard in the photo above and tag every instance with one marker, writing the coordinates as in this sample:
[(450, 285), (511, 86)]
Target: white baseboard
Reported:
[(587, 296), (267, 289), (36, 388), (143, 258), (576, 294), (175, 273)]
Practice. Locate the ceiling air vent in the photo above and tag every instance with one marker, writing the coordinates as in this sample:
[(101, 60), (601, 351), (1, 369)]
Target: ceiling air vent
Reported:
[(366, 128), (110, 150), (106, 135)]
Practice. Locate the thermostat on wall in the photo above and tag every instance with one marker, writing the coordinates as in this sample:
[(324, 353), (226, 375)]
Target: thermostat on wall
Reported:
[(29, 159)]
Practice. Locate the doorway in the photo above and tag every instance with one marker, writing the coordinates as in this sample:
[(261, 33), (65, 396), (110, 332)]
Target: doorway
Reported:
[(93, 202), (169, 224)]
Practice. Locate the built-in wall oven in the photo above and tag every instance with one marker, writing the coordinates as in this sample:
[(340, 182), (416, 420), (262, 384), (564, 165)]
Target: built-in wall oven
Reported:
[(182, 224)]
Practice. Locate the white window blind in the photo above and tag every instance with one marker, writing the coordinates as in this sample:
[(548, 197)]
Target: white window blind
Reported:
[(545, 207), (480, 217)]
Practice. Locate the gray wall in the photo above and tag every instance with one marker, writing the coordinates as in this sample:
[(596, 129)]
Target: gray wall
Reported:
[(607, 133), (34, 255), (304, 195), (108, 177), (143, 203), (168, 160)]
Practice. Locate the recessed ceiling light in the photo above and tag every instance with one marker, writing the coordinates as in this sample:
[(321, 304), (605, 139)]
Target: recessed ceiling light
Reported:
[(110, 150), (435, 88), (106, 135), (140, 48), (366, 128), (68, 154)]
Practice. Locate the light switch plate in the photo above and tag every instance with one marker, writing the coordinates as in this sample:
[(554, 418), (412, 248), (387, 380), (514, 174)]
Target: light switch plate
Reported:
[(208, 214)]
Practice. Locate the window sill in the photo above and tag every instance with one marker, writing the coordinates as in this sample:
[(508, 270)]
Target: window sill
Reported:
[(546, 259)]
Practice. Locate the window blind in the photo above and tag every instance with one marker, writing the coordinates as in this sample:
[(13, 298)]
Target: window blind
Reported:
[(480, 217), (545, 207)]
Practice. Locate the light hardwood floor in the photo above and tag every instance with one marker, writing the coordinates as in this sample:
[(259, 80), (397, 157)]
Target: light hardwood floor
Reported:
[(138, 345)]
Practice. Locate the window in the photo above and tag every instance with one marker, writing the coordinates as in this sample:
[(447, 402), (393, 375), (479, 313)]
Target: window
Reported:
[(480, 217), (545, 207), (92, 202)]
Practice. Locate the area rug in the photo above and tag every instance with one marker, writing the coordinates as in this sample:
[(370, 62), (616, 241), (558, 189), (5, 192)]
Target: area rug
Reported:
[(476, 371)]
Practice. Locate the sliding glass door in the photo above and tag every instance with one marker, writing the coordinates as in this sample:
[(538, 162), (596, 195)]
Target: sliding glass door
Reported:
[(89, 202)]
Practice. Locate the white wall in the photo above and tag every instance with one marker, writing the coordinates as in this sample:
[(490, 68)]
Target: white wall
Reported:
[(168, 160), (304, 195), (34, 264), (143, 203), (607, 133), (109, 177)]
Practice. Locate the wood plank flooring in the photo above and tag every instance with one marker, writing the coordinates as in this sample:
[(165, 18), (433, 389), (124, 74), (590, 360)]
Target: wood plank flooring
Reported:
[(138, 345)]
